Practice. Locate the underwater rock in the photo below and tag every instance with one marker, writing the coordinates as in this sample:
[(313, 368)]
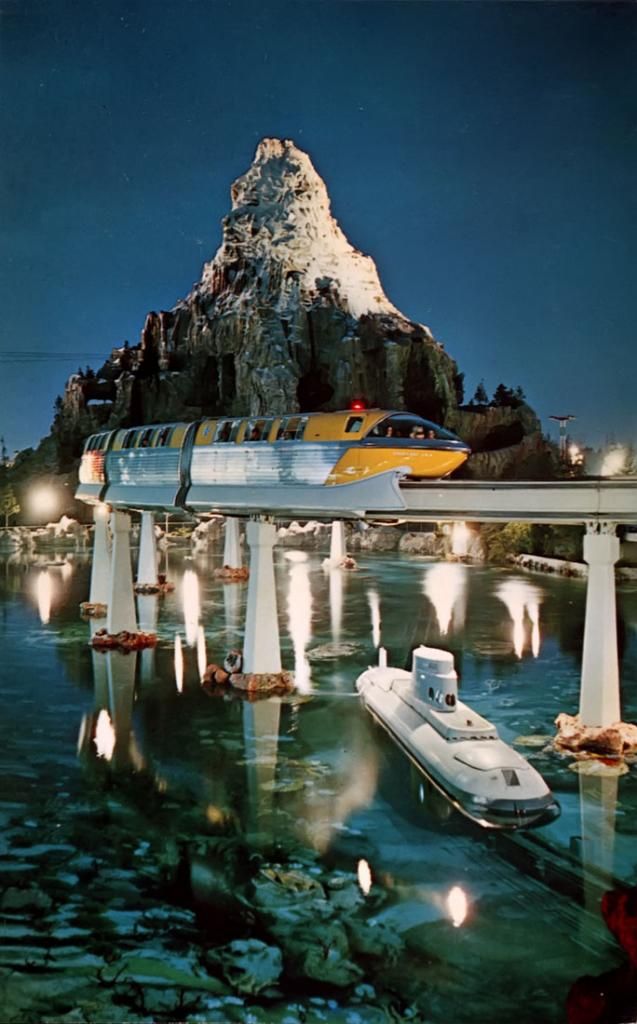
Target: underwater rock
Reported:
[(250, 965), (374, 939), (320, 953), (30, 900), (335, 650), (263, 682)]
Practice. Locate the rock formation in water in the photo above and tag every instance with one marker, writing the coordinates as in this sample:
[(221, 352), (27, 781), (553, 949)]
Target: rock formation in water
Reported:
[(287, 316)]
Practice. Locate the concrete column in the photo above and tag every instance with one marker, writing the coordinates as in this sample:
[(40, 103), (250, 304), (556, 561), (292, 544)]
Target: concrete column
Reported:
[(147, 563), (121, 696), (261, 648), (599, 693), (121, 599), (337, 542), (101, 568), (231, 546)]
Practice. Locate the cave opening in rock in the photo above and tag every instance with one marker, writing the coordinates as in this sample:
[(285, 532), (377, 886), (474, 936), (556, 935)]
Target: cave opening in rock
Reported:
[(314, 390)]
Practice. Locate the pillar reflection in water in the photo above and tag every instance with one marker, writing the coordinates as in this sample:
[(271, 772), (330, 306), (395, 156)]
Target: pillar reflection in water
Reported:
[(107, 733), (522, 599), (445, 586), (261, 723), (191, 606), (300, 616), (232, 606), (336, 584), (598, 805), (373, 601), (460, 536), (147, 611)]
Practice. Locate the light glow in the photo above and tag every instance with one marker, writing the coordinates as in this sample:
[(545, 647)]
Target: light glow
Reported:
[(444, 585), (104, 735), (202, 662), (179, 664), (522, 598), (457, 905), (191, 606), (44, 594), (43, 501), (300, 617), (460, 536), (364, 874)]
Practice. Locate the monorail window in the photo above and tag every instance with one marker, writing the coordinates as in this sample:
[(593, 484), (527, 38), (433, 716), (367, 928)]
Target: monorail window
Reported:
[(228, 430), (145, 439), (129, 439), (257, 430), (224, 429), (163, 437), (353, 424), (292, 428)]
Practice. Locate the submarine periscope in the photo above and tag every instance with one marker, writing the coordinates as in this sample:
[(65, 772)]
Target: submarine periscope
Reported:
[(454, 746)]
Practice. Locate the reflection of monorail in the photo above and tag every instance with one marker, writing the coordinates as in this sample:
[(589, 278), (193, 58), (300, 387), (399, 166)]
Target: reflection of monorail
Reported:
[(278, 462)]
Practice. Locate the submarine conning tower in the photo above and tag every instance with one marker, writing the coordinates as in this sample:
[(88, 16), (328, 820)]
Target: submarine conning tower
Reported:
[(434, 678)]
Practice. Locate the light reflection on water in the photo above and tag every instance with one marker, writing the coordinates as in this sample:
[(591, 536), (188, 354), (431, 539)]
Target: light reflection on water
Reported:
[(317, 772)]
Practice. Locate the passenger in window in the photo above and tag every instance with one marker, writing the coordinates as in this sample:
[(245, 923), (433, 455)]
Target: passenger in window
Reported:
[(224, 434), (255, 434), (417, 432), (431, 434), (390, 431)]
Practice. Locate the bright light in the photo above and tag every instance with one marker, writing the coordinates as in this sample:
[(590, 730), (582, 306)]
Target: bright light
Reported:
[(44, 594), (444, 584), (190, 601), (300, 619), (357, 405), (520, 597), (460, 535), (457, 905), (104, 735), (179, 664), (613, 462), (575, 455), (43, 501), (364, 874)]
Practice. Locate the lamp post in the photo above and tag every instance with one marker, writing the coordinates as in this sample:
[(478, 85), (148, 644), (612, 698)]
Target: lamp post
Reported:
[(562, 420)]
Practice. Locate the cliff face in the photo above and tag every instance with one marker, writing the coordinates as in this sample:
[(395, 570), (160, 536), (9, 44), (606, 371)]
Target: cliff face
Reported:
[(287, 315)]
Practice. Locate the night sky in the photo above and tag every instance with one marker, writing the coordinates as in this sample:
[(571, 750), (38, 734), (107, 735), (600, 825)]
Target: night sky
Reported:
[(483, 154)]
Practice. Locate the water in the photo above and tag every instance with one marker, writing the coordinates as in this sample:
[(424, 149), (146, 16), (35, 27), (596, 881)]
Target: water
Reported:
[(149, 824)]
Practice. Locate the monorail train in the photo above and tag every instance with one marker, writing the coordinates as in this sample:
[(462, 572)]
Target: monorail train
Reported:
[(331, 460)]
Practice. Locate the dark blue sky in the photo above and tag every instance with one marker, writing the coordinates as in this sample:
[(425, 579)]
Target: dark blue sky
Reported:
[(482, 154)]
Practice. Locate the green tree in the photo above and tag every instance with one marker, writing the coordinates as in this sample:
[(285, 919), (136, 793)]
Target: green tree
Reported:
[(480, 397), (8, 503)]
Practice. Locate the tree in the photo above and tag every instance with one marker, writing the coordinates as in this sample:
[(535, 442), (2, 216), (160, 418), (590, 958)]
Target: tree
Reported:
[(8, 503), (502, 396), (480, 397)]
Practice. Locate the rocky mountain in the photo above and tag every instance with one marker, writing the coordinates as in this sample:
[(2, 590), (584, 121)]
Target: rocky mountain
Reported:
[(287, 316)]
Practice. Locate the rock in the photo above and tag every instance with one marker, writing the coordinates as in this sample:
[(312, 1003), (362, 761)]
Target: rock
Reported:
[(254, 683), (30, 900), (250, 965), (618, 739)]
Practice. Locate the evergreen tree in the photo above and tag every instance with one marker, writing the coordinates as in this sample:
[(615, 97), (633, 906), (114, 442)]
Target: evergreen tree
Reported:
[(8, 503), (480, 397)]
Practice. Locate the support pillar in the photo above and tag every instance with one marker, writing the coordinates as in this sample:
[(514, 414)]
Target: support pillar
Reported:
[(337, 542), (147, 562), (121, 599), (261, 648), (231, 546), (101, 567), (599, 692)]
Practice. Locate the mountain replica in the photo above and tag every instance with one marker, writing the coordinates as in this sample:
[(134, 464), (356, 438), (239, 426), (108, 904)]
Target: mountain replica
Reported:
[(287, 316)]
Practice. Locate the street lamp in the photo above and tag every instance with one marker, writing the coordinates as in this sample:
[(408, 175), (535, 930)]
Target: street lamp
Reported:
[(562, 420)]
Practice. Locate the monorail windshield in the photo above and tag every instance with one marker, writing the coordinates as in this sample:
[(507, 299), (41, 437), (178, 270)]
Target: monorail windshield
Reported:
[(406, 425)]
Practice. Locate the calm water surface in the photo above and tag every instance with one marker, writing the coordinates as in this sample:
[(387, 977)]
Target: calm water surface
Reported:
[(146, 818)]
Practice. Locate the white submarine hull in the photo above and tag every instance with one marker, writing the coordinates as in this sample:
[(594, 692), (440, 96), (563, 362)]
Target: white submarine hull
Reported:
[(459, 751)]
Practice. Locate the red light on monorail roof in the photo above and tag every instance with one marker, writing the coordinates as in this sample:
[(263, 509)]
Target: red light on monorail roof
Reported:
[(357, 405)]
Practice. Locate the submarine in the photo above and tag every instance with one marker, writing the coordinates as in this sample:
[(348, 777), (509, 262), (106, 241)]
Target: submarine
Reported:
[(457, 749)]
